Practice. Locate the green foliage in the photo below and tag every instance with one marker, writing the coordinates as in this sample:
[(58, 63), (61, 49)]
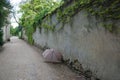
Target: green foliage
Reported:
[(48, 27), (102, 8), (29, 33), (109, 27), (33, 12), (105, 9), (4, 12), (14, 31)]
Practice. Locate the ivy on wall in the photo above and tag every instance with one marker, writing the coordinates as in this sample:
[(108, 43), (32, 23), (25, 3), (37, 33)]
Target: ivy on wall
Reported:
[(48, 27), (34, 11), (29, 32), (105, 9)]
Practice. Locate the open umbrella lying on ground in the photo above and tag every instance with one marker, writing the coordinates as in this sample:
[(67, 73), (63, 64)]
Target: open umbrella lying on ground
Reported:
[(52, 55)]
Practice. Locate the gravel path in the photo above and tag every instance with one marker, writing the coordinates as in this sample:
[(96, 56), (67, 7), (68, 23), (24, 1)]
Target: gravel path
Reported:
[(20, 61)]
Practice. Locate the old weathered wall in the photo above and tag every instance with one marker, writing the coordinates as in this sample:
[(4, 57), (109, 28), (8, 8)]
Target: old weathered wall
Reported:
[(85, 39)]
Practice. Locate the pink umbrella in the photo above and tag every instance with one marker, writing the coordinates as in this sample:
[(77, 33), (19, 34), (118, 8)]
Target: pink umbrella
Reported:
[(51, 55)]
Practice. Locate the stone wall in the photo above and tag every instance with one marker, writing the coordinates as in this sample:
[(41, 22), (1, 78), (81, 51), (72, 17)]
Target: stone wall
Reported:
[(84, 38)]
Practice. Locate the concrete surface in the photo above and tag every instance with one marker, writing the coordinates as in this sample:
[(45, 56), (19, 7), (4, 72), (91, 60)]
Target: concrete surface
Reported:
[(19, 61), (85, 39)]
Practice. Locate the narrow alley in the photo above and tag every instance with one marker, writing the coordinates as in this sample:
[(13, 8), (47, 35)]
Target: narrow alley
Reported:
[(20, 61)]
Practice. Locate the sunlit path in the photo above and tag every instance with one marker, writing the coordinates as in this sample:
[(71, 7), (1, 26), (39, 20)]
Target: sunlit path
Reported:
[(19, 61)]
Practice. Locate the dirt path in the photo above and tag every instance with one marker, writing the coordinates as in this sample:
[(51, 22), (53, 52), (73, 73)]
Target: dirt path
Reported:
[(19, 61)]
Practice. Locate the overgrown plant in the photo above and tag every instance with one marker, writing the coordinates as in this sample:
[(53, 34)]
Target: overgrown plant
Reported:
[(4, 13), (105, 9), (33, 12), (14, 31)]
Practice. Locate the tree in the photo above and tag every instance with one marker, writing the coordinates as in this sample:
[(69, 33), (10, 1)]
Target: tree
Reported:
[(4, 12), (32, 13), (34, 10), (14, 31)]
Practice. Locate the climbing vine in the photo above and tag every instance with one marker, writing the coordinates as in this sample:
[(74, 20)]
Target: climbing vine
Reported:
[(48, 27), (29, 33), (33, 12), (105, 9)]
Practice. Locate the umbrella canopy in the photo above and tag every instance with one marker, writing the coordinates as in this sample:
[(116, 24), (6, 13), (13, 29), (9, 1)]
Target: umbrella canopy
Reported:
[(51, 55)]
